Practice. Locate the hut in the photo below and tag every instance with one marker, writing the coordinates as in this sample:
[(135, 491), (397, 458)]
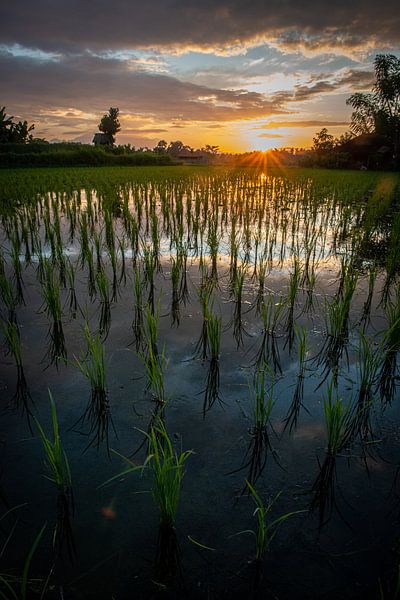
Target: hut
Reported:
[(194, 157), (370, 150), (102, 139)]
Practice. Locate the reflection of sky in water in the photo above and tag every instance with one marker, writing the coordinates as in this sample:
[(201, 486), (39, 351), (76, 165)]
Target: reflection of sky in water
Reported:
[(289, 224), (221, 440)]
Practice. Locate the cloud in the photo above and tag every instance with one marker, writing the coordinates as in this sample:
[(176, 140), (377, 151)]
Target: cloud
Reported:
[(304, 123), (313, 26), (270, 135), (87, 81)]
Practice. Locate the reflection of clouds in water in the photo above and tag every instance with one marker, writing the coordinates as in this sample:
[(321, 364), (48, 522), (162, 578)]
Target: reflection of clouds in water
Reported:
[(108, 513), (374, 464), (309, 431)]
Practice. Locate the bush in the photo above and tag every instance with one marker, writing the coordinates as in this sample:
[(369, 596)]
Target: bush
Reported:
[(64, 154)]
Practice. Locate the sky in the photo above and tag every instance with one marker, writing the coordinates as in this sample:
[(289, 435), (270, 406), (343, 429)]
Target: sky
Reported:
[(240, 75)]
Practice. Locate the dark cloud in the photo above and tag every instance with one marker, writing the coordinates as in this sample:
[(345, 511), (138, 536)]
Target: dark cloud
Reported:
[(91, 83), (101, 24)]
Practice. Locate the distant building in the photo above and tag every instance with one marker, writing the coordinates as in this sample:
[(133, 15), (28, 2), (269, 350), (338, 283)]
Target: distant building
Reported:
[(370, 150), (197, 157), (102, 139)]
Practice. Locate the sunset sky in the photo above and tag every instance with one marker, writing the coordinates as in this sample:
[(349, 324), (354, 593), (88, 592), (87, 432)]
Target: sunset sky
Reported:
[(241, 75)]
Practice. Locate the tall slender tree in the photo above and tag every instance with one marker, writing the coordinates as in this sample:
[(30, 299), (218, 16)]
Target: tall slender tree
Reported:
[(379, 110), (110, 124)]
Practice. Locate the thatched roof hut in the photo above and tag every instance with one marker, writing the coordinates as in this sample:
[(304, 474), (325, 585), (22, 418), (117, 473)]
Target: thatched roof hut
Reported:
[(102, 139), (370, 149)]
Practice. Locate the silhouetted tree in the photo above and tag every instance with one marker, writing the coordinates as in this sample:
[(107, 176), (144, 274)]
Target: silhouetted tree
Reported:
[(323, 141), (161, 147), (379, 111), (110, 124), (176, 148), (20, 132), (14, 133), (5, 126), (210, 149)]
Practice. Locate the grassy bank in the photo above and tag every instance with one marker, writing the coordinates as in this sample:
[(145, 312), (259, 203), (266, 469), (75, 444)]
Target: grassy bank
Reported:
[(60, 155)]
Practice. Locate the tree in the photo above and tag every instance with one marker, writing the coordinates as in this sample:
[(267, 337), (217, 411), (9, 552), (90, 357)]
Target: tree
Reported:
[(21, 132), (175, 148), (211, 149), (5, 126), (379, 111), (110, 124), (15, 133), (161, 147), (323, 141)]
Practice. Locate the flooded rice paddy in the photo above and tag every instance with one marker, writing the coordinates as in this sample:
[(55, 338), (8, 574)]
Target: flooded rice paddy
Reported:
[(199, 384)]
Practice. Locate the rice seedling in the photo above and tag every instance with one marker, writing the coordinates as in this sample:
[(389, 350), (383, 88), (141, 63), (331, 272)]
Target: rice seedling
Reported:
[(237, 321), (267, 528), (234, 253), (155, 365), (338, 312), (294, 282), (369, 360), (211, 392), (310, 303), (268, 352), (390, 345), (296, 405), (22, 587), (175, 302), (339, 428), (154, 362), (84, 239), (114, 265), (167, 468), (260, 445), (21, 397), (366, 312), (151, 329), (137, 323), (16, 262), (59, 473), (97, 414), (105, 304), (213, 244), (204, 293), (392, 259), (182, 255), (261, 275), (150, 266), (7, 293), (122, 248), (72, 299), (51, 295)]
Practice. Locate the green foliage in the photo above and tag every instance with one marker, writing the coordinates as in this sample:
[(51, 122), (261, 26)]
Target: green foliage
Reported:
[(14, 133), (70, 154), (167, 466), (57, 465), (379, 111), (20, 588), (266, 531), (110, 124), (338, 422)]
